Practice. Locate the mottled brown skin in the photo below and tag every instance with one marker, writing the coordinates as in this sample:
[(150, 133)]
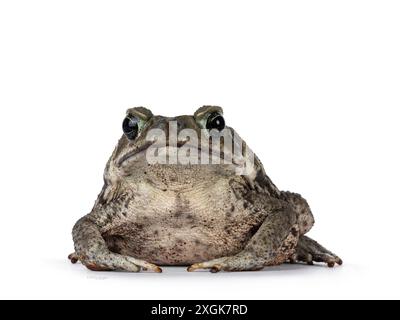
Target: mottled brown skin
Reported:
[(203, 216)]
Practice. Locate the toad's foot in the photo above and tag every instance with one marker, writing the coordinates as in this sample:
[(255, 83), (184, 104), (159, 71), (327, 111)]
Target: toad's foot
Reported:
[(243, 261), (112, 261), (309, 251), (73, 257)]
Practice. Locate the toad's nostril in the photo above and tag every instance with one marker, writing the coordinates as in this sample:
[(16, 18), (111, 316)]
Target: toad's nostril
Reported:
[(180, 123), (180, 143)]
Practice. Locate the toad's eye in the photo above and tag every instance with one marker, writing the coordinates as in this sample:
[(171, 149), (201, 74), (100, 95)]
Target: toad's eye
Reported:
[(130, 126), (215, 121)]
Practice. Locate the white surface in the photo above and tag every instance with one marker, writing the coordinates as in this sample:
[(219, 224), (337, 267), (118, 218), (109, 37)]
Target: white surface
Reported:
[(312, 86)]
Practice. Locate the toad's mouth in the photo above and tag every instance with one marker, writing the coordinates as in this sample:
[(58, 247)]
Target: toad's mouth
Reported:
[(182, 153), (129, 155)]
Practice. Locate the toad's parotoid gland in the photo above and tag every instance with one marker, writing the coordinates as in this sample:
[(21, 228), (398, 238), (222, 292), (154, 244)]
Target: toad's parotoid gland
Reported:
[(188, 191)]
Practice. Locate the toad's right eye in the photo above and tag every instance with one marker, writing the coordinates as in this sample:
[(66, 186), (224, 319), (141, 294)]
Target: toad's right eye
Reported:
[(130, 126)]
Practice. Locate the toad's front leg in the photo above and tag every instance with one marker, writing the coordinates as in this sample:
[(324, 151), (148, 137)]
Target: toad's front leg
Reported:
[(273, 243), (91, 249)]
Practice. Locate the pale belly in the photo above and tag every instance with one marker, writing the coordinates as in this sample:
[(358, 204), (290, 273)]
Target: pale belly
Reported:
[(181, 246), (170, 228)]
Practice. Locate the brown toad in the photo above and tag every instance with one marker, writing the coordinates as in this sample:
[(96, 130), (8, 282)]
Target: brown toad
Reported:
[(205, 205)]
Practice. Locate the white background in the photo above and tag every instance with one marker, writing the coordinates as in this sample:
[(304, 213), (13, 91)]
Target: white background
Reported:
[(312, 86)]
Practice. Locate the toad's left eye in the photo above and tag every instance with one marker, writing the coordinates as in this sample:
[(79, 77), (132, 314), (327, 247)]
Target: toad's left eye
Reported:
[(215, 121), (130, 126)]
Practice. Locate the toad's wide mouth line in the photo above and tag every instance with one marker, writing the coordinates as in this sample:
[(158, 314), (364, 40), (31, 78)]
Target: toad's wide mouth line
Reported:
[(173, 155), (132, 153), (214, 147)]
